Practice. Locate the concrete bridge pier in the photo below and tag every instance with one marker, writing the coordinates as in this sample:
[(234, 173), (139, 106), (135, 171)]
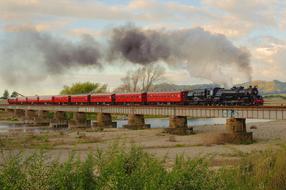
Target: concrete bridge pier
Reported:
[(136, 121), (236, 131), (59, 120), (178, 125), (7, 114), (30, 116), (104, 120), (42, 117), (10, 111), (20, 114), (79, 120)]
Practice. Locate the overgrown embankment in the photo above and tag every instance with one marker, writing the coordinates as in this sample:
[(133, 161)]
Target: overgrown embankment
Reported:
[(132, 168)]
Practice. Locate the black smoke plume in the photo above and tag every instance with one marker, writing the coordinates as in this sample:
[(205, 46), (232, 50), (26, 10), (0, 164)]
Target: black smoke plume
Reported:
[(137, 46), (203, 54), (31, 56)]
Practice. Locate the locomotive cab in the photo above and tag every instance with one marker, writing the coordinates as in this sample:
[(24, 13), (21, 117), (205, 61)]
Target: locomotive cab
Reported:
[(199, 96)]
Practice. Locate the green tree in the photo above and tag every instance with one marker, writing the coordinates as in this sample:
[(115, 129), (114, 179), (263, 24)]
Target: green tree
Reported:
[(14, 94), (6, 94), (83, 88)]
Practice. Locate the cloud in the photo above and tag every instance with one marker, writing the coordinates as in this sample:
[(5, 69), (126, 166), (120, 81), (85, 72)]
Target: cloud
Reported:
[(240, 18), (237, 20), (154, 10), (38, 26), (258, 12), (230, 27), (63, 8), (269, 55), (141, 4), (232, 18), (138, 10)]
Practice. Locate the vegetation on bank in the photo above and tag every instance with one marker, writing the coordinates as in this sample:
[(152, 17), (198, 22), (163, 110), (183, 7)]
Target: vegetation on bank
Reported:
[(271, 96), (84, 88), (122, 168)]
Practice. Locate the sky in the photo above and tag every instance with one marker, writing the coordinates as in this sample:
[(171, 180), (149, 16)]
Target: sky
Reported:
[(259, 26)]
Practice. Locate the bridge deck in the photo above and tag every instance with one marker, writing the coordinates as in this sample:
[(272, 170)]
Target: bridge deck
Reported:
[(262, 112)]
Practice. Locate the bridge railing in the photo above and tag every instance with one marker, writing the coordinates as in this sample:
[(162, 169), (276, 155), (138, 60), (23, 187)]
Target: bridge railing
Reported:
[(271, 113)]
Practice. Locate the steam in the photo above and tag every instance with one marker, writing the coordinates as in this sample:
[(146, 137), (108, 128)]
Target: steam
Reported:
[(205, 55), (32, 56), (138, 46)]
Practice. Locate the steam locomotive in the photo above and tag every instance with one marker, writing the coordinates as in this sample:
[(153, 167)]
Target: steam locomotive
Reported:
[(236, 96)]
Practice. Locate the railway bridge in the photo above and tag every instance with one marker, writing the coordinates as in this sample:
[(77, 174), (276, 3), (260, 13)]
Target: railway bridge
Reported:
[(178, 115)]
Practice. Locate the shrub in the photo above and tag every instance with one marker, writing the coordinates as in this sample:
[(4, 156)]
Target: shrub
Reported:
[(132, 168), (190, 174)]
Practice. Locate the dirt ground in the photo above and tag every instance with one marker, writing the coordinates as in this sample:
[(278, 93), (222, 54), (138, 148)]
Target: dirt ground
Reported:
[(60, 143)]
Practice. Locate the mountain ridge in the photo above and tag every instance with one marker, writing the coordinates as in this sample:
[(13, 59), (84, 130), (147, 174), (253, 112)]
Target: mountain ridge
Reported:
[(265, 87)]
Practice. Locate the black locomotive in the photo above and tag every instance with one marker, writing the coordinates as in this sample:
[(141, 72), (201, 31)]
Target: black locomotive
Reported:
[(221, 96)]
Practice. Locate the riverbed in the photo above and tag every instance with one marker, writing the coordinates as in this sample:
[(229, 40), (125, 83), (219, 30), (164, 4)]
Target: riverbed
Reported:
[(154, 122)]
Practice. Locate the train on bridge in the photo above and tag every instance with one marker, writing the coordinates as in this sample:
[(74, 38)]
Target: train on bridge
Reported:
[(217, 96)]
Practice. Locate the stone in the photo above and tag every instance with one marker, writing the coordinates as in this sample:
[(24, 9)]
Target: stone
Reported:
[(59, 120), (104, 120), (179, 131), (79, 120), (178, 125), (136, 121), (178, 122), (236, 131), (20, 114)]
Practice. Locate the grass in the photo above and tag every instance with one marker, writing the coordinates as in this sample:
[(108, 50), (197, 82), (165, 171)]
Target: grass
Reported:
[(29, 140), (270, 96), (131, 168)]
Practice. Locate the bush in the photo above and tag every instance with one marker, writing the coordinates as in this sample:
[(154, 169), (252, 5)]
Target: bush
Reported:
[(264, 170), (190, 174), (132, 168)]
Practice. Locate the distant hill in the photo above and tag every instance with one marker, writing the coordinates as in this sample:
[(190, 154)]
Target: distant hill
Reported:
[(268, 87), (174, 87), (265, 87)]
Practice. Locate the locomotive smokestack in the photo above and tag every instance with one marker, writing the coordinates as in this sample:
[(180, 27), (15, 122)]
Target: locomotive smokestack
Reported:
[(205, 55)]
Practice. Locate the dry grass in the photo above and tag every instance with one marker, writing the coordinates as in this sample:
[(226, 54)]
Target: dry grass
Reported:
[(90, 139), (44, 140), (213, 139), (172, 139)]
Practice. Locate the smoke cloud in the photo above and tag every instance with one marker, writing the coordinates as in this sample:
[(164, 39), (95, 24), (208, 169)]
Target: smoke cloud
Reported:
[(206, 55), (32, 56), (138, 46)]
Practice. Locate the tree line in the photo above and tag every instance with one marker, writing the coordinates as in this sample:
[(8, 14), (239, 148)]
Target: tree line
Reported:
[(141, 79), (6, 94)]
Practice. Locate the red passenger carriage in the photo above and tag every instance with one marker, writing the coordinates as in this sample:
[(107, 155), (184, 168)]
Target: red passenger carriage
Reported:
[(64, 99), (46, 99), (12, 100), (102, 98), (166, 97), (32, 99), (80, 99), (21, 100), (131, 98)]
